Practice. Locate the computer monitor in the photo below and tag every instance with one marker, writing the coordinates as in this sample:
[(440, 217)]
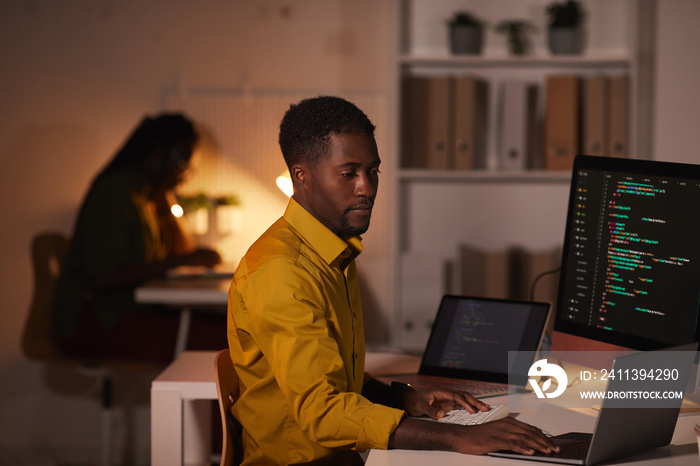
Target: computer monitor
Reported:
[(630, 276)]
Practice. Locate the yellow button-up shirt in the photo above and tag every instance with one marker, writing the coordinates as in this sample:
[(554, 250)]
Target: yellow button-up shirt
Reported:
[(296, 337)]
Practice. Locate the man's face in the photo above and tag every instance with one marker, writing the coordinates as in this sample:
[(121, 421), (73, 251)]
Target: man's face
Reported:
[(344, 183)]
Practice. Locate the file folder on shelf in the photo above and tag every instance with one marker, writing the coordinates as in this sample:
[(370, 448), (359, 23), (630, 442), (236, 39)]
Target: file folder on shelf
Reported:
[(619, 116), (484, 272), (425, 116), (518, 126), (595, 115), (469, 118), (526, 267), (561, 132)]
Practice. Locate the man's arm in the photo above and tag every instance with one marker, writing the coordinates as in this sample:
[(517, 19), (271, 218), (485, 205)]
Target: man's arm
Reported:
[(503, 434), (434, 402), (419, 434)]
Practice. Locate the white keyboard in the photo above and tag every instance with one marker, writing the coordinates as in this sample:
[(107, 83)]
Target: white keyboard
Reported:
[(465, 418)]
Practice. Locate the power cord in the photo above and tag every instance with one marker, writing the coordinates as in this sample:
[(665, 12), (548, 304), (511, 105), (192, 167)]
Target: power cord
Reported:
[(538, 278)]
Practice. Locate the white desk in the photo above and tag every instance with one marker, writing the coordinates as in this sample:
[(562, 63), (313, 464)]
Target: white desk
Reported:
[(180, 402), (180, 292), (184, 294), (682, 451), (180, 410), (181, 420)]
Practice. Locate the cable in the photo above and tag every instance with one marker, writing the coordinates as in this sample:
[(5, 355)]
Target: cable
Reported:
[(537, 278)]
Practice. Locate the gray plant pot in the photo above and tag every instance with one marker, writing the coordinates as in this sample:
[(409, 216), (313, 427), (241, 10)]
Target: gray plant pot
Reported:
[(565, 41), (466, 40)]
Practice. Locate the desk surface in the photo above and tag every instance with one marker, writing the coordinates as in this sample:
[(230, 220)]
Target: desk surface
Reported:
[(682, 451), (192, 376), (182, 292)]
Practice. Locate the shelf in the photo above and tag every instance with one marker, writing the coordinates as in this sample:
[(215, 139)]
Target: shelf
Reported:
[(440, 210), (481, 176), (602, 61)]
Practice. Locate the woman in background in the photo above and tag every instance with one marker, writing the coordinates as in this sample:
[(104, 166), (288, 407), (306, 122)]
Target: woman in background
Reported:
[(126, 234)]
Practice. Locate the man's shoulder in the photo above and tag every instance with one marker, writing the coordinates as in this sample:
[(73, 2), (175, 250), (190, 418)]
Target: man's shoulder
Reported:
[(279, 242)]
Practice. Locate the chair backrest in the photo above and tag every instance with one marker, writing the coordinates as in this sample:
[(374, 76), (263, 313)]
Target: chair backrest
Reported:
[(48, 252), (227, 392)]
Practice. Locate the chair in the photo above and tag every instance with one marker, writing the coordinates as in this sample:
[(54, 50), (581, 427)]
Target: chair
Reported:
[(48, 251), (227, 392)]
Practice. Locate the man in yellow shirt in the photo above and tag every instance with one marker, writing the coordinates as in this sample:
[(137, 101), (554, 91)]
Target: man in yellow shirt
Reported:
[(295, 327)]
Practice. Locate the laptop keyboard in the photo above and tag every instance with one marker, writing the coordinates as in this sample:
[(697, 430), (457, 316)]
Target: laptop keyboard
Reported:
[(465, 418)]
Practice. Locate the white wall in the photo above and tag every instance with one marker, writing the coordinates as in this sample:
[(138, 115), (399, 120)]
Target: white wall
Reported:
[(76, 77), (677, 97)]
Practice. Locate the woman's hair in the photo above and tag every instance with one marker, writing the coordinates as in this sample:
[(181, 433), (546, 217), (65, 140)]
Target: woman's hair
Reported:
[(306, 127), (165, 132)]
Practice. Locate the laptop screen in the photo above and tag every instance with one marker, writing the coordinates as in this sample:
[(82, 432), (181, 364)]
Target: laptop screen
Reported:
[(471, 336)]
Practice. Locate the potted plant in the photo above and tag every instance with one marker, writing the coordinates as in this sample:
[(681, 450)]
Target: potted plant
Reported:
[(466, 33), (565, 27), (518, 33), (196, 208), (228, 214)]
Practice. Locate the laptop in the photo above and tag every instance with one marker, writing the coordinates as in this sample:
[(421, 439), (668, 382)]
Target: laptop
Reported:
[(469, 343), (626, 427)]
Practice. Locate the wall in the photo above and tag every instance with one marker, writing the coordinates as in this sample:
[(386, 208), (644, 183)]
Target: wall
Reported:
[(76, 77), (677, 99)]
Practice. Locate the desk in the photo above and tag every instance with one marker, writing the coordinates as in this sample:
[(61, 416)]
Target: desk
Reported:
[(682, 451), (180, 414), (184, 293), (180, 410), (181, 420)]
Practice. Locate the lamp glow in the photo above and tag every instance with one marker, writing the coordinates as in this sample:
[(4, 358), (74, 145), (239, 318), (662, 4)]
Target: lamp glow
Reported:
[(177, 210), (284, 182)]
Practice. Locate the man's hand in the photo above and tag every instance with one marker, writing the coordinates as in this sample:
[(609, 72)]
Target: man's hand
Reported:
[(436, 402), (503, 434)]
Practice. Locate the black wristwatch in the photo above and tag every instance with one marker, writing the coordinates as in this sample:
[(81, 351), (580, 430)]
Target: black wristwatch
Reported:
[(398, 389)]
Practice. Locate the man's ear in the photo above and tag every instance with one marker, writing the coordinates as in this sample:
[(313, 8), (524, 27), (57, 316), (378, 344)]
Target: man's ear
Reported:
[(299, 173)]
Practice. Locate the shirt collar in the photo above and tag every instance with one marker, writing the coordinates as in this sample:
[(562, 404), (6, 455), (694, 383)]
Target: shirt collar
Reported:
[(327, 244)]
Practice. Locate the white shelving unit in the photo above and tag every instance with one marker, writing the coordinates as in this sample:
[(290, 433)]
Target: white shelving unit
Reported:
[(440, 209)]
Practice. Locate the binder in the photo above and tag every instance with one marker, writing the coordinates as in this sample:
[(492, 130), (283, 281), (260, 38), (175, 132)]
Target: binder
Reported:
[(534, 128), (469, 117), (484, 272), (561, 132), (425, 122), (619, 116), (595, 115), (425, 273), (526, 266), (517, 125)]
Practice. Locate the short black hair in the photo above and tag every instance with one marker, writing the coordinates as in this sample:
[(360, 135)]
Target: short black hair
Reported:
[(306, 127)]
